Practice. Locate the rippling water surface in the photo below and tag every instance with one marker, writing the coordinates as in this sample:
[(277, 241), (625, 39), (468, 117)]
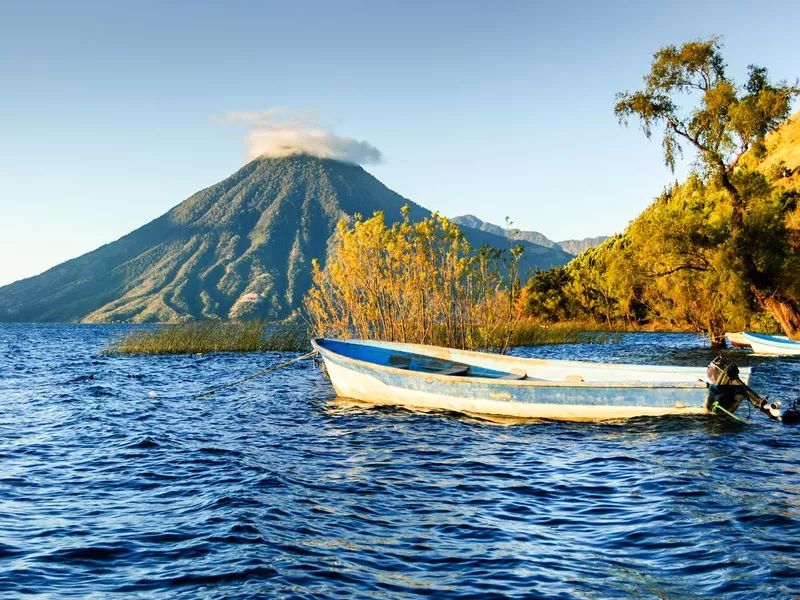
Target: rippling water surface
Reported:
[(271, 489)]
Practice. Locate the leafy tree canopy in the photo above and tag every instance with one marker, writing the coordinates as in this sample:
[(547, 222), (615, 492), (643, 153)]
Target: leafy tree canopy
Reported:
[(726, 121)]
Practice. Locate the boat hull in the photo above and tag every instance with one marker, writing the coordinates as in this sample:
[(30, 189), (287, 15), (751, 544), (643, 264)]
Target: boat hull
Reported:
[(527, 399), (772, 345), (737, 340), (572, 407)]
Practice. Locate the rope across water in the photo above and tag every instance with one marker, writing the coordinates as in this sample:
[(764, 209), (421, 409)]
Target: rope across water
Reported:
[(253, 376)]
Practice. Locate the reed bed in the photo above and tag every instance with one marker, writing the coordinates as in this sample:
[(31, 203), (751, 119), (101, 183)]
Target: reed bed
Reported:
[(531, 333), (213, 336), (260, 336)]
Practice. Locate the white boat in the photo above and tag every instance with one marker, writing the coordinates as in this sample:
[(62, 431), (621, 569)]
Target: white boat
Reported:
[(771, 344), (736, 339), (431, 377)]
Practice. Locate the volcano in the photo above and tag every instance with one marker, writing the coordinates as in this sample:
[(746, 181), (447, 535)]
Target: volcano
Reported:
[(239, 249)]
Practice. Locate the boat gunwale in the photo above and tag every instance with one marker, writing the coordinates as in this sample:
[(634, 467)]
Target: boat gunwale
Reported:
[(630, 384), (769, 340)]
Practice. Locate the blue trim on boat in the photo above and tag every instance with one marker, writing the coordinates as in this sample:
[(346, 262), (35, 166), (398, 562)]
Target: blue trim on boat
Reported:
[(771, 339), (388, 356)]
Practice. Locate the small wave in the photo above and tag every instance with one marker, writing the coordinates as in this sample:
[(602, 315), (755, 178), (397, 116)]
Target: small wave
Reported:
[(82, 378), (8, 551), (87, 554), (201, 579), (211, 450), (99, 391), (144, 443), (237, 539)]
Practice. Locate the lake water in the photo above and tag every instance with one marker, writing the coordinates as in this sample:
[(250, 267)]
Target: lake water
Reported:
[(271, 489)]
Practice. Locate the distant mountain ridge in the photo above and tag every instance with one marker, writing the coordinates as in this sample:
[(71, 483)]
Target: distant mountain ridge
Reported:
[(573, 247), (240, 248)]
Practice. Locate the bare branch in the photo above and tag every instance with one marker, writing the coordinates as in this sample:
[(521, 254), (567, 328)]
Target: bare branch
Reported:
[(735, 161), (681, 131)]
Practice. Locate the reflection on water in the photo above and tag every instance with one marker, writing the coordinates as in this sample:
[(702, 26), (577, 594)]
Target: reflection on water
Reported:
[(277, 489), (350, 406)]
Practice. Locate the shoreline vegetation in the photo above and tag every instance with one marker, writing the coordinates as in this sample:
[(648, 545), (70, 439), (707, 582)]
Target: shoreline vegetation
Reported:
[(415, 282), (719, 252), (208, 337)]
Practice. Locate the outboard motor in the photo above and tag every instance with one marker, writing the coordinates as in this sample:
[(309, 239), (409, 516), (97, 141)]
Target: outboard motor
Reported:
[(727, 391)]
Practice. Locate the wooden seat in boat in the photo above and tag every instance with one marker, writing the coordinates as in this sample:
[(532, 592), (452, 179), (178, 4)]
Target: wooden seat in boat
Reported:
[(404, 362), (515, 374), (456, 370), (399, 361)]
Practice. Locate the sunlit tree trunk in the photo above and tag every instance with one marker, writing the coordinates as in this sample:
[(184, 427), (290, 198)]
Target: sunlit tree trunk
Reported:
[(717, 339), (785, 311)]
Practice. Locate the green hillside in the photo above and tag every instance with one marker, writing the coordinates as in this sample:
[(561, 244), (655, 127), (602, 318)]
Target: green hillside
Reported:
[(781, 161), (240, 248)]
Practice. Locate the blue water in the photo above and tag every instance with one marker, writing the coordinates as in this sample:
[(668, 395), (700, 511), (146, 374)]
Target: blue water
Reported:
[(271, 489)]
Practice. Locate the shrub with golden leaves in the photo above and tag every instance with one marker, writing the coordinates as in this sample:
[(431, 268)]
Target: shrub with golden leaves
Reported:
[(416, 282)]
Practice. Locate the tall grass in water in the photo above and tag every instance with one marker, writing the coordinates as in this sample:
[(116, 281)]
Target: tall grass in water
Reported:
[(531, 333), (213, 336), (259, 336)]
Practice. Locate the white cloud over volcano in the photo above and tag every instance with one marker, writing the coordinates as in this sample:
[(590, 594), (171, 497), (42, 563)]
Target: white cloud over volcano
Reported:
[(279, 132)]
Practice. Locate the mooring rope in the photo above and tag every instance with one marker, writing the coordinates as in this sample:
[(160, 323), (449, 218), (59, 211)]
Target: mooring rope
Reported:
[(259, 374), (717, 405)]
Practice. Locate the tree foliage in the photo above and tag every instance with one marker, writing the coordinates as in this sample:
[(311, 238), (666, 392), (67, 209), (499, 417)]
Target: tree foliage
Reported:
[(736, 242), (677, 264), (726, 121)]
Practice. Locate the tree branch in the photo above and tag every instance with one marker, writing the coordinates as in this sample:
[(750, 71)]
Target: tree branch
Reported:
[(676, 269), (682, 132), (733, 164)]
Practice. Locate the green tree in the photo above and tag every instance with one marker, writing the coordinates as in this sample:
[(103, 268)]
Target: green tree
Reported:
[(725, 122), (546, 296), (605, 283), (680, 251)]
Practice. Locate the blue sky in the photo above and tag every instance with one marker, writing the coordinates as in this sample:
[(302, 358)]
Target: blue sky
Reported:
[(491, 108)]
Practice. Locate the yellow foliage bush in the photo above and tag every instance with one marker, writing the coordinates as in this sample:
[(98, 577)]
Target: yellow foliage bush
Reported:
[(417, 282)]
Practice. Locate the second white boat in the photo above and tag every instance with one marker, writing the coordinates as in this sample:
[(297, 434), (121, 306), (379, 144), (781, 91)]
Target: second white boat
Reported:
[(771, 345)]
